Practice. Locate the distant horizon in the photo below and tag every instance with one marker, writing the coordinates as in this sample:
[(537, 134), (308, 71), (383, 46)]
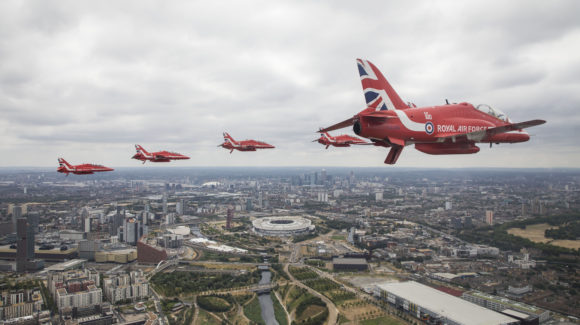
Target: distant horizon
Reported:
[(389, 168)]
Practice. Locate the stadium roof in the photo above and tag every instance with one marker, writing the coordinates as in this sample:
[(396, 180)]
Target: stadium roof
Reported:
[(456, 309)]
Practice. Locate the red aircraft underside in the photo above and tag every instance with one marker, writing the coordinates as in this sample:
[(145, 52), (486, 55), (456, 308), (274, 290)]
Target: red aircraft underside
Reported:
[(83, 169), (339, 140), (159, 156), (243, 145), (436, 130)]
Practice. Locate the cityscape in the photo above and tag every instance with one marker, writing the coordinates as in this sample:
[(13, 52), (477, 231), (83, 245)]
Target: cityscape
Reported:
[(296, 245)]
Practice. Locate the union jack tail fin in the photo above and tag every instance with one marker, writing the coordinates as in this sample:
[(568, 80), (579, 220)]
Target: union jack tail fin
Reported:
[(378, 92), (228, 138), (64, 163), (141, 150)]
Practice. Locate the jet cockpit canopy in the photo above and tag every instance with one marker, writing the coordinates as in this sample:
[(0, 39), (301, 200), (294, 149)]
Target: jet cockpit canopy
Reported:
[(492, 111)]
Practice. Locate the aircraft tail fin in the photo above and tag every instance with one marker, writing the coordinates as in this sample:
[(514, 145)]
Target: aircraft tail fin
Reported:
[(63, 163), (141, 150), (378, 92), (228, 138)]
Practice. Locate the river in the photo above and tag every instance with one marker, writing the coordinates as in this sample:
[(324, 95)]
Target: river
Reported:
[(266, 303)]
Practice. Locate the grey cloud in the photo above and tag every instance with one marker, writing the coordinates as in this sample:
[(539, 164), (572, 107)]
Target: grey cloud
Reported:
[(175, 75)]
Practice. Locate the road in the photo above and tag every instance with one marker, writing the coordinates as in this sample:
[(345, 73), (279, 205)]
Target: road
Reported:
[(332, 310), (158, 308)]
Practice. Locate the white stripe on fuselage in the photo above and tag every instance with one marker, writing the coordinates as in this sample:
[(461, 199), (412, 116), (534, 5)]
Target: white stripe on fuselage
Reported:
[(407, 123)]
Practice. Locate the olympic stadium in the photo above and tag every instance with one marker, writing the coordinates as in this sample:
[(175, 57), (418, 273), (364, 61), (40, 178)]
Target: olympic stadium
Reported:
[(282, 226)]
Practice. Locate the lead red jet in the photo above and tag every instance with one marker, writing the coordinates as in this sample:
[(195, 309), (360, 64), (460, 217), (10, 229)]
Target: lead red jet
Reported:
[(339, 140), (437, 130), (243, 145), (159, 156), (84, 169)]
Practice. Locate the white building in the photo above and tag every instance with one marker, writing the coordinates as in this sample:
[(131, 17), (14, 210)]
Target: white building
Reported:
[(448, 205), (126, 287), (422, 302), (92, 296)]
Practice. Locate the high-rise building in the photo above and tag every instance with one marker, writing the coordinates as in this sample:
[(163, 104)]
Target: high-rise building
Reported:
[(164, 203), (24, 245), (489, 217), (132, 230), (379, 196), (16, 214), (229, 218), (116, 223), (21, 243), (448, 205), (179, 207)]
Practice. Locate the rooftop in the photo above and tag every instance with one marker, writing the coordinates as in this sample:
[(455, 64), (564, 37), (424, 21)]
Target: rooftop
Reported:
[(448, 306), (507, 302)]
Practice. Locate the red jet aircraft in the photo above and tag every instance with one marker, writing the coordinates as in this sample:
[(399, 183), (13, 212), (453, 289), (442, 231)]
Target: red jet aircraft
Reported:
[(339, 140), (159, 156), (437, 130), (244, 145), (83, 169)]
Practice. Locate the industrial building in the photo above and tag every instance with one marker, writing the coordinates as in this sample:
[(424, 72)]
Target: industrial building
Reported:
[(349, 264), (434, 306), (121, 256), (506, 306)]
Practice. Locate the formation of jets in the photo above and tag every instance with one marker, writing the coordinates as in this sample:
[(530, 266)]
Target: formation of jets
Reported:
[(386, 121)]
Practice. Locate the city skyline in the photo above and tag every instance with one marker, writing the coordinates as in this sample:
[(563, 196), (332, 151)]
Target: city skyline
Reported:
[(173, 77)]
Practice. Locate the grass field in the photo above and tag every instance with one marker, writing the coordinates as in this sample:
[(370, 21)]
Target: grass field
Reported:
[(279, 312), (309, 312), (566, 243), (253, 311), (536, 234), (204, 318)]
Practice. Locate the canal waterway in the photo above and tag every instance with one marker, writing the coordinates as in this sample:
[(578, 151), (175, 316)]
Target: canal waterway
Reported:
[(266, 303)]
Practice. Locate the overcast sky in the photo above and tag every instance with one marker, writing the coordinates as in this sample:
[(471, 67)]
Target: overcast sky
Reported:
[(86, 80)]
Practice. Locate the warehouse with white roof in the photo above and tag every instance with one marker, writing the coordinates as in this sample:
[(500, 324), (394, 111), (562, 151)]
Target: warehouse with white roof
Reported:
[(425, 302)]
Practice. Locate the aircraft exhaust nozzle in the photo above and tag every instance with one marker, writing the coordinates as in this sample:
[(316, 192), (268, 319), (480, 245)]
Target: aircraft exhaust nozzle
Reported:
[(357, 128)]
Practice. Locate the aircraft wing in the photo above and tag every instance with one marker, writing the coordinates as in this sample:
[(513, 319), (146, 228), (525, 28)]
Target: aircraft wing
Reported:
[(340, 125), (350, 121), (480, 135)]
